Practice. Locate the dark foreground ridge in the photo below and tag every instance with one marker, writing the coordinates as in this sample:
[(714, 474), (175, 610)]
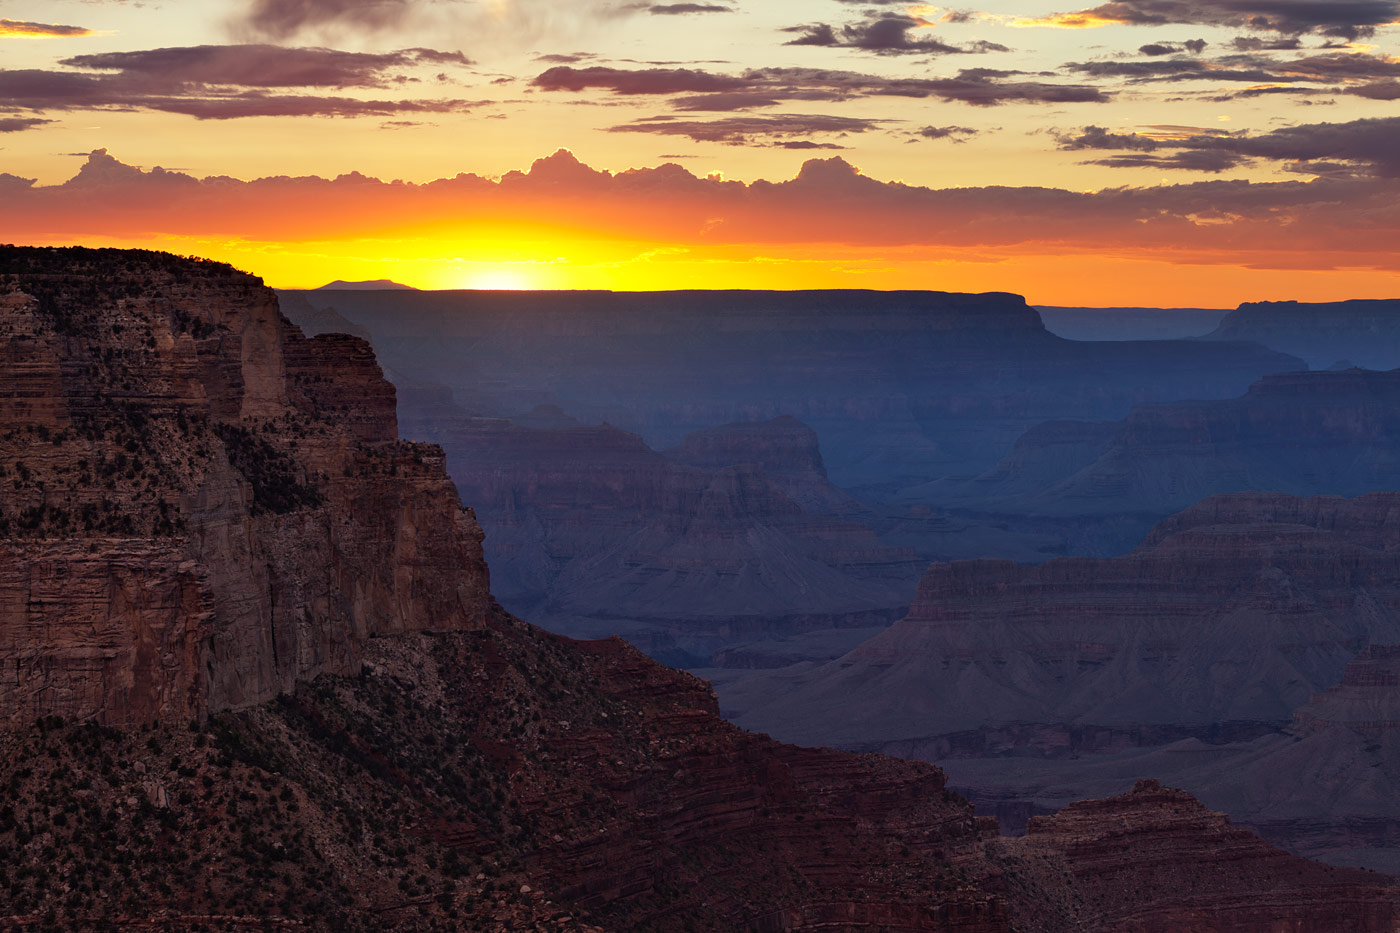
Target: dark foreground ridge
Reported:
[(299, 708)]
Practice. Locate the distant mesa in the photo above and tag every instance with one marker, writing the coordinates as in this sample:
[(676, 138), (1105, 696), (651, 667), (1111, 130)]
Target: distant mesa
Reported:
[(1364, 332), (901, 387), (371, 285)]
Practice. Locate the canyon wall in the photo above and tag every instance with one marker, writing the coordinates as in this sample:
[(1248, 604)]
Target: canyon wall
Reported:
[(199, 504)]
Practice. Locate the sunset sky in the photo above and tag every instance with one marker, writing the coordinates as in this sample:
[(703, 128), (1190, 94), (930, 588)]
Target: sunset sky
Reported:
[(1135, 152)]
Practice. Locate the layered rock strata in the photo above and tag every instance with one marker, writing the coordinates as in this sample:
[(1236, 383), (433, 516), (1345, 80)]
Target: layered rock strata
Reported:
[(735, 535), (200, 505)]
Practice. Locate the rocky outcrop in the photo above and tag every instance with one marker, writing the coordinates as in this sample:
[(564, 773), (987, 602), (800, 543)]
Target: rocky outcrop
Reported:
[(201, 505), (1364, 331), (1234, 611), (1154, 860), (507, 777)]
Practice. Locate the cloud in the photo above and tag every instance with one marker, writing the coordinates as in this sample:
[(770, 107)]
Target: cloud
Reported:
[(15, 29), (1348, 19), (286, 18), (884, 34), (1190, 161), (19, 124), (764, 86), (678, 9), (749, 130), (516, 23), (1096, 137), (1194, 46), (264, 65), (1366, 147), (1358, 73), (645, 81), (226, 82), (946, 132), (1337, 219)]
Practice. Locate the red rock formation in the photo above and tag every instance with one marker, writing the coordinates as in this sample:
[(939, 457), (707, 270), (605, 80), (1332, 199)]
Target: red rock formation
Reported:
[(1155, 861), (167, 398)]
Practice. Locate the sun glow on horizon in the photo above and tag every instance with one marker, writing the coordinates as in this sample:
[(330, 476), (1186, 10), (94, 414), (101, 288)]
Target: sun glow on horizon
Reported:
[(500, 279)]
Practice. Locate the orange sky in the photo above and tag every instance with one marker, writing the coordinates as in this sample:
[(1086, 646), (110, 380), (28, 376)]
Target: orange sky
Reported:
[(1158, 152)]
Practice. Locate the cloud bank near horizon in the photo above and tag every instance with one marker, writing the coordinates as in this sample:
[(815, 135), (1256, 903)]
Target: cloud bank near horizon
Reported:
[(1336, 220)]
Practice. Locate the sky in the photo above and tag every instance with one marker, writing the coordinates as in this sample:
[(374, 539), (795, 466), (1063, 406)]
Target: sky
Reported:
[(1190, 153)]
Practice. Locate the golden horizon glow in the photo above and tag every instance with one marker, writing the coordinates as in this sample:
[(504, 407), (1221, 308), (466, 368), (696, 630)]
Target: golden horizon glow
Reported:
[(345, 143)]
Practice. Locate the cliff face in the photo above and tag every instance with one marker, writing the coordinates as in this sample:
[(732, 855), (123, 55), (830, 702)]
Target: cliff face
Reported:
[(1234, 611), (200, 504)]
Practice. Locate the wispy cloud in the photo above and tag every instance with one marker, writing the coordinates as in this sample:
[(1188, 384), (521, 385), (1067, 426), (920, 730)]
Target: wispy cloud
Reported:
[(15, 29)]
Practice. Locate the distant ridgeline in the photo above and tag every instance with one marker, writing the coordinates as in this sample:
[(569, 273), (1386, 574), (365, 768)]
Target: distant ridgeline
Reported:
[(1337, 334), (901, 387)]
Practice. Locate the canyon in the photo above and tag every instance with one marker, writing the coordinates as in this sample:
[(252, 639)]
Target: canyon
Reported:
[(1238, 653), (579, 424), (900, 387), (255, 676)]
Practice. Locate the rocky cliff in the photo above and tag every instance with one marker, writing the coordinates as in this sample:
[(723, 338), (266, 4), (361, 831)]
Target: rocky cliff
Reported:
[(1362, 332), (200, 505), (1234, 611)]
